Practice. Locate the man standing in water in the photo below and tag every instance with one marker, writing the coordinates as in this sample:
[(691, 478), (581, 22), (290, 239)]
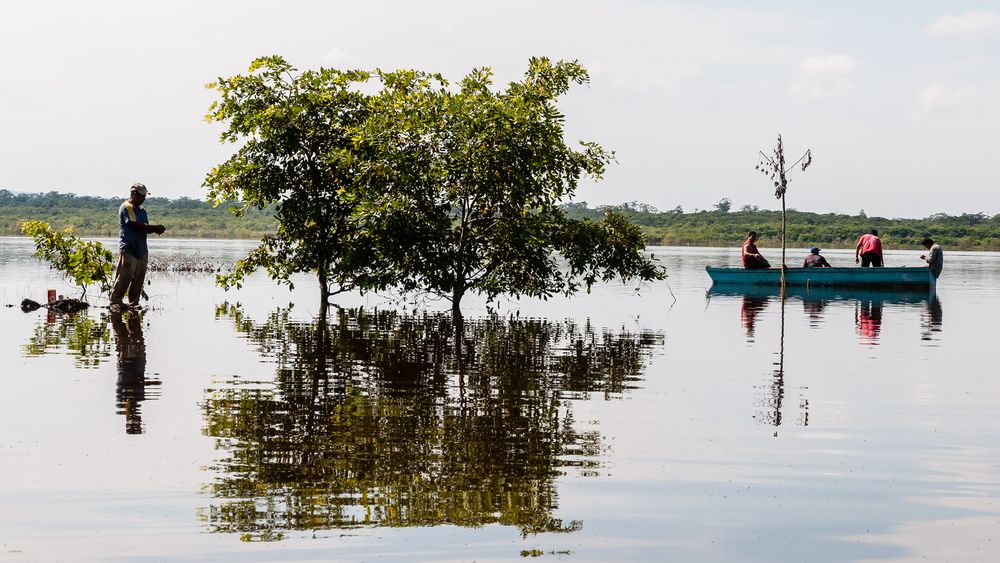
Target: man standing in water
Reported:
[(935, 260), (133, 226), (869, 250)]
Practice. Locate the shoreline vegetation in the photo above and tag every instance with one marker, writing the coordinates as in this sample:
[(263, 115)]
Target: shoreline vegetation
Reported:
[(92, 216)]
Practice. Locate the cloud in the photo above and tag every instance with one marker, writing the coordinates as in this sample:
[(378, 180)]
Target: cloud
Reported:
[(940, 97), (338, 57), (967, 25), (823, 77)]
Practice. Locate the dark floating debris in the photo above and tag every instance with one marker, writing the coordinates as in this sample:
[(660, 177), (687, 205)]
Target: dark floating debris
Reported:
[(59, 305)]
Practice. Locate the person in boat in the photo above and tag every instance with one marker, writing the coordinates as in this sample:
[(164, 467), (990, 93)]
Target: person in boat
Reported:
[(869, 250), (752, 259), (815, 260), (935, 260)]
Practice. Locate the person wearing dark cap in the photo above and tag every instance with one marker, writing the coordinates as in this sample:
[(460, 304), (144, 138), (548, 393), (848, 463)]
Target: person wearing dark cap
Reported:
[(133, 226), (814, 260), (935, 260)]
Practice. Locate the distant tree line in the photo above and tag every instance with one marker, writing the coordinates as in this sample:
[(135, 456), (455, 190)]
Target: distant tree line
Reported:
[(187, 217), (723, 226), (98, 216)]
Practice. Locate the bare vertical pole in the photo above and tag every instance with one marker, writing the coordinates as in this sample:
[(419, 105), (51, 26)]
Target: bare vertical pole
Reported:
[(779, 157), (775, 169), (782, 241)]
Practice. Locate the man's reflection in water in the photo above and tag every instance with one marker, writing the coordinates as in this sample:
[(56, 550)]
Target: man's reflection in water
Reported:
[(131, 349), (930, 320), (813, 308), (868, 317), (751, 307)]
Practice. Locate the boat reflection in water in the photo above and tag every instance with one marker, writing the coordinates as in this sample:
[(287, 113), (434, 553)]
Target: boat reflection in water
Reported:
[(868, 307), (377, 420)]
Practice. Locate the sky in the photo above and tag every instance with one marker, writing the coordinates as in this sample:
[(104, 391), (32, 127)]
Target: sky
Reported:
[(899, 101)]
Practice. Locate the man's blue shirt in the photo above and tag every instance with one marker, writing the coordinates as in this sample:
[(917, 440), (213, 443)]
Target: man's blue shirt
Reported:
[(130, 239)]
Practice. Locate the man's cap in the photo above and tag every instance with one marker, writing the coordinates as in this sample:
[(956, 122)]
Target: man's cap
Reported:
[(814, 250), (140, 188)]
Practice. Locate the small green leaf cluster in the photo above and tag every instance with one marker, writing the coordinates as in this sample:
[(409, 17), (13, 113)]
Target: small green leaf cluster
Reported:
[(85, 262)]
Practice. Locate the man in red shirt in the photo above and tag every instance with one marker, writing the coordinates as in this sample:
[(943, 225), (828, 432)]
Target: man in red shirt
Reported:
[(869, 250)]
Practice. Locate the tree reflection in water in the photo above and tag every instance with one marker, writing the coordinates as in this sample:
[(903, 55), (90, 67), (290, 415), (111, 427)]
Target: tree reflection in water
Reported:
[(375, 420), (84, 337)]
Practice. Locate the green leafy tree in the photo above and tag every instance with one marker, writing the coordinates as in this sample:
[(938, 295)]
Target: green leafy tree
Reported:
[(295, 132), (466, 190), (85, 262)]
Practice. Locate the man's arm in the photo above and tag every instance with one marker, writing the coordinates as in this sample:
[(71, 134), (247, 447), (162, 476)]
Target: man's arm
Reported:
[(146, 227), (933, 258), (857, 252)]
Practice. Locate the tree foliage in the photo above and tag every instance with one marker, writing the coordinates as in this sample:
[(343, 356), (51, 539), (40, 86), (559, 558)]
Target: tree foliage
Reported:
[(468, 183), (418, 185), (85, 262), (296, 152)]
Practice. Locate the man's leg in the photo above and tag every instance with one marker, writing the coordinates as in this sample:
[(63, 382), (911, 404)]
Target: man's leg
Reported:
[(138, 279), (866, 260), (123, 276)]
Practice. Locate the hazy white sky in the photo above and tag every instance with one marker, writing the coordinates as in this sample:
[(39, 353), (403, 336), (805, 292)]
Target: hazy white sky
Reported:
[(899, 101)]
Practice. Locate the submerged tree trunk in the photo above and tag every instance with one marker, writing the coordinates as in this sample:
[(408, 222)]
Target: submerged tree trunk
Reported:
[(456, 305), (458, 321), (324, 295)]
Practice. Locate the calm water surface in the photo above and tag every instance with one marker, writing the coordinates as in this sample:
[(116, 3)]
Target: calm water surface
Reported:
[(663, 422)]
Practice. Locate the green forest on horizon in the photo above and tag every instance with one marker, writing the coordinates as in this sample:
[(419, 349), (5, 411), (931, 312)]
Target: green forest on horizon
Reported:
[(722, 226)]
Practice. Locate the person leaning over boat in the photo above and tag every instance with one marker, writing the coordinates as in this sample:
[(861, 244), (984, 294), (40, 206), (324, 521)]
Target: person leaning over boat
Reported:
[(869, 250), (133, 225), (752, 259), (814, 260), (935, 260)]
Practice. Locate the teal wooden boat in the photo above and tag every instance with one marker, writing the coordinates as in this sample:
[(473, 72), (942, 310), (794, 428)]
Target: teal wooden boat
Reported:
[(904, 295), (885, 278)]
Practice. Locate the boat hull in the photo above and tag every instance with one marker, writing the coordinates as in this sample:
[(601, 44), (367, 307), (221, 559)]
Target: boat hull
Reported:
[(885, 278), (909, 295)]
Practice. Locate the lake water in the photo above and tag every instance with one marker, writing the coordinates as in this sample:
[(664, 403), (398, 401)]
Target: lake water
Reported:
[(663, 422)]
